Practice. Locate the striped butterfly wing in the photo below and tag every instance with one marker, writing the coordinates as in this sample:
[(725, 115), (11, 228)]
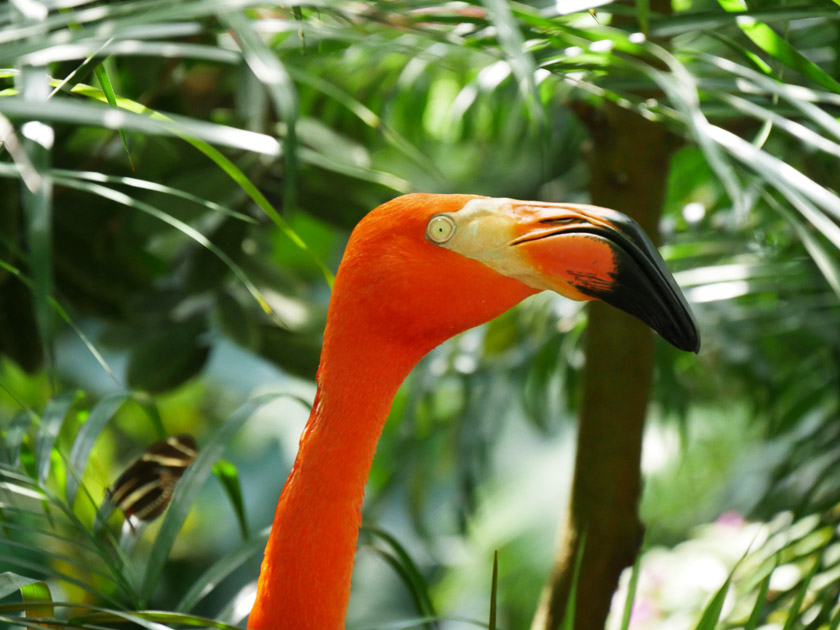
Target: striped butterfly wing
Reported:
[(145, 488)]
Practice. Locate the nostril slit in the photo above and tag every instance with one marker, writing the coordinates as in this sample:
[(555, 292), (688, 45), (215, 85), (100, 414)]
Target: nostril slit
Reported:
[(556, 220)]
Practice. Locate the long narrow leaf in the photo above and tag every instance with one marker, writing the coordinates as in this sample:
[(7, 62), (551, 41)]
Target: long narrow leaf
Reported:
[(37, 592), (711, 614), (271, 73), (631, 593), (228, 475), (494, 585), (14, 436), (58, 308), (794, 611), (231, 170), (222, 568), (72, 111), (108, 90), (99, 416), (187, 490), (760, 601), (126, 200), (51, 422), (766, 38), (568, 622), (12, 582)]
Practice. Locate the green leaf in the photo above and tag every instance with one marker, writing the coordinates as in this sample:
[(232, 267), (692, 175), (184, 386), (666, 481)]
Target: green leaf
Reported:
[(228, 475), (99, 416), (49, 427), (643, 15), (222, 568), (494, 586), (267, 67), (37, 204), (187, 490), (13, 438), (760, 601), (766, 38), (37, 592), (568, 622), (143, 184), (194, 132), (823, 257), (711, 614), (108, 89), (12, 583), (794, 611), (21, 319), (400, 560), (522, 63), (188, 230), (631, 593)]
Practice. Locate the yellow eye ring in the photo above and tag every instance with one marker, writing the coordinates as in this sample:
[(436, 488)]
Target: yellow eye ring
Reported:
[(440, 229)]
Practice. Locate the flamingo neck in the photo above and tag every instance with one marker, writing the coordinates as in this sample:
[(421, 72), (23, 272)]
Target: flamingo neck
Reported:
[(305, 578)]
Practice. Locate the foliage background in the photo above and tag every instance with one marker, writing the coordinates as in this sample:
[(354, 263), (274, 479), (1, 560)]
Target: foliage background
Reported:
[(180, 250)]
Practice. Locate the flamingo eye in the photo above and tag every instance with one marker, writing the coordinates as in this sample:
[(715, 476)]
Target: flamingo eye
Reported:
[(440, 229)]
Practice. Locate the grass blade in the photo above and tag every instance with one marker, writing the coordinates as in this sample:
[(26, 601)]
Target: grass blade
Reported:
[(825, 260), (143, 184), (12, 582), (513, 44), (58, 308), (13, 437), (631, 593), (37, 204), (780, 173), (233, 172), (108, 89), (711, 614), (37, 592), (50, 424), (198, 237), (643, 15), (267, 67), (494, 584), (760, 601), (81, 113), (228, 475), (794, 610), (399, 560), (187, 490), (223, 567), (99, 416), (569, 616), (766, 38)]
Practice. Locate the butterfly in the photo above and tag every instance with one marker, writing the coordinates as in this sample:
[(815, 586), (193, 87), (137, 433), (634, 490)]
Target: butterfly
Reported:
[(145, 488)]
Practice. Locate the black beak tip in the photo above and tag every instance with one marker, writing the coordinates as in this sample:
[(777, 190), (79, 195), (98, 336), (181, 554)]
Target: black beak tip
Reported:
[(683, 333), (644, 287)]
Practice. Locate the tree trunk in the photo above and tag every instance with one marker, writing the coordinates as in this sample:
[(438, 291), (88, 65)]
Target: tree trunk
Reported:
[(629, 165)]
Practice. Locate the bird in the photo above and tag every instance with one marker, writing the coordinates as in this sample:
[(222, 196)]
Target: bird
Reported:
[(416, 271)]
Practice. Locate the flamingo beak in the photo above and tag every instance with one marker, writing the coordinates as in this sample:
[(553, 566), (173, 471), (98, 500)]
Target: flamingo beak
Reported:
[(582, 252)]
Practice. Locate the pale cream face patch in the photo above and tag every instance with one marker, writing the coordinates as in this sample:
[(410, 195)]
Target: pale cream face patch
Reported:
[(485, 230)]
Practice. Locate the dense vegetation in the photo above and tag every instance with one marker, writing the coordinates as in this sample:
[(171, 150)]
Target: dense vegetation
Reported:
[(177, 182)]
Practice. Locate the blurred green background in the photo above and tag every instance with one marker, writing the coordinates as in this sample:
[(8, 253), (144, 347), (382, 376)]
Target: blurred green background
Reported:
[(167, 258)]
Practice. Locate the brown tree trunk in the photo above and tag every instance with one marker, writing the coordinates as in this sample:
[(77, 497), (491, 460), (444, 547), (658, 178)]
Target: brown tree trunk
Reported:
[(629, 165)]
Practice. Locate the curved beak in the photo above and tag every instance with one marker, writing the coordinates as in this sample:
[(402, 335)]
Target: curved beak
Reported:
[(582, 252)]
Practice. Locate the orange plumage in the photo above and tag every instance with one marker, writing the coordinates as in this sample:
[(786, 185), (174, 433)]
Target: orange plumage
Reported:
[(397, 295)]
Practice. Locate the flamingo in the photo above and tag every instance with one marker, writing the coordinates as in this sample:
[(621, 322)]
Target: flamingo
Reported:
[(418, 270)]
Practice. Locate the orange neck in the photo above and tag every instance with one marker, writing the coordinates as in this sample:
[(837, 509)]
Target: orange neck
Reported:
[(305, 578)]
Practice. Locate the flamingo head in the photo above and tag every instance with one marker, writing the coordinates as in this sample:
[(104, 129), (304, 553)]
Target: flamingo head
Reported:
[(422, 268)]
